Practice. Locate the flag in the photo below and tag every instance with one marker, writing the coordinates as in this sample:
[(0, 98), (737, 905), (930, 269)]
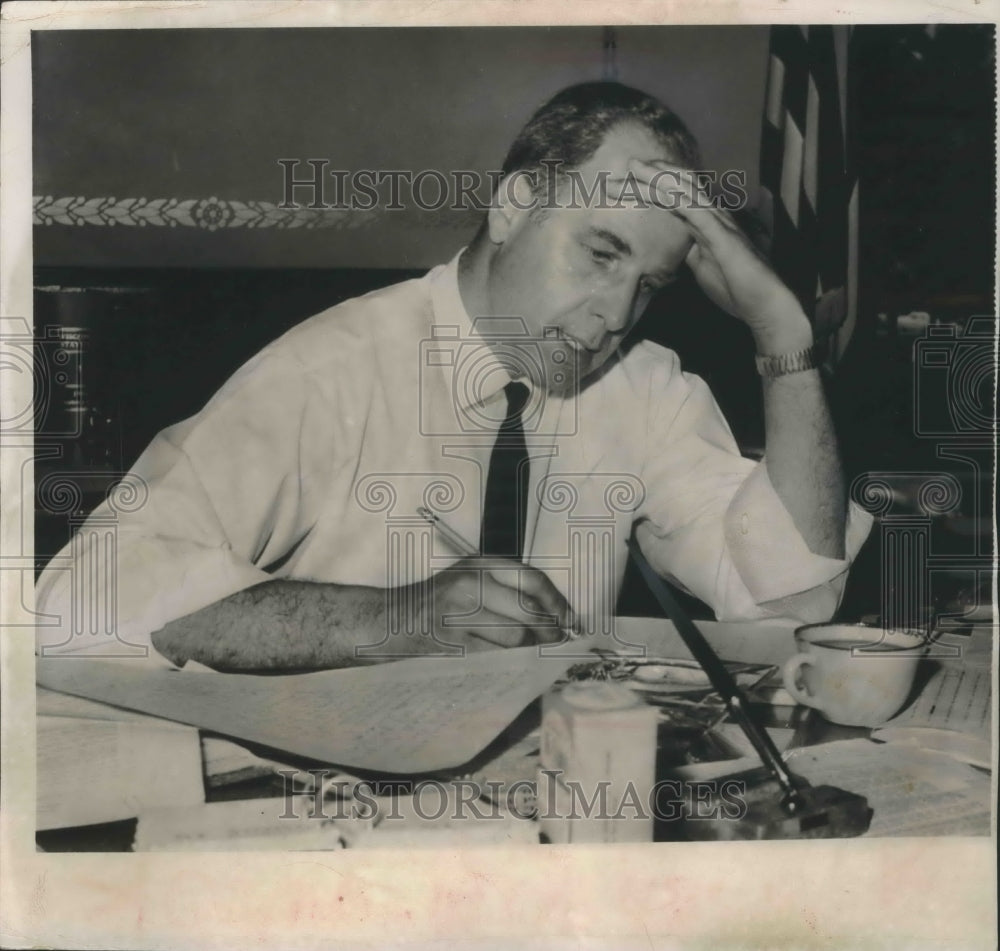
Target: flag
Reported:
[(808, 179)]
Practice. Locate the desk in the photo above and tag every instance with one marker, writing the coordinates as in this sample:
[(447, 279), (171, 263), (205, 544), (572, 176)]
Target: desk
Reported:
[(746, 643)]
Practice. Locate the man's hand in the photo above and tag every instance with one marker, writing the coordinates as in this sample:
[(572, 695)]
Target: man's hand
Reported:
[(483, 603), (725, 262)]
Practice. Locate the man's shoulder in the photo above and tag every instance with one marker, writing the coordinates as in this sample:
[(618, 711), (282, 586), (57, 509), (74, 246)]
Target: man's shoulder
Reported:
[(648, 355), (356, 326), (643, 363)]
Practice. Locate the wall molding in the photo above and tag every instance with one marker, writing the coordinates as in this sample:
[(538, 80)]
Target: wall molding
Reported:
[(214, 214), (210, 214)]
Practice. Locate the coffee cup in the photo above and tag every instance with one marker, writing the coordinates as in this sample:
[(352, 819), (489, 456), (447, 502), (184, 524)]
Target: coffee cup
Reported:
[(852, 674)]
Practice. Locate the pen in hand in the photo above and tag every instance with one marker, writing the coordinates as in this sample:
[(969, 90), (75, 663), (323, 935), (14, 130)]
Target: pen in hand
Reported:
[(463, 547)]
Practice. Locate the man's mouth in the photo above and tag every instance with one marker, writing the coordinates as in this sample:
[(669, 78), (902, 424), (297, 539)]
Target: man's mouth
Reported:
[(579, 346)]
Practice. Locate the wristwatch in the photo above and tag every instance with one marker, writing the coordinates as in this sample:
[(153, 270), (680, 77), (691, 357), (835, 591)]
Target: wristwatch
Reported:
[(781, 364)]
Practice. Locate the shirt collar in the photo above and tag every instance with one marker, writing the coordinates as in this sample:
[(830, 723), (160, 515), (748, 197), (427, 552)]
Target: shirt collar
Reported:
[(456, 333)]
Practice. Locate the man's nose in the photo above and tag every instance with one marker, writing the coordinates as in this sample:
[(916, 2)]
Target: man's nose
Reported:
[(615, 306)]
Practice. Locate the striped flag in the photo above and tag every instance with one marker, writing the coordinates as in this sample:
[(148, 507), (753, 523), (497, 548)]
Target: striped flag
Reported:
[(808, 180)]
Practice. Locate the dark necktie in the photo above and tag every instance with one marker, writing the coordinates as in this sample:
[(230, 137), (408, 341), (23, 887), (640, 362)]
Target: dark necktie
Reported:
[(505, 505)]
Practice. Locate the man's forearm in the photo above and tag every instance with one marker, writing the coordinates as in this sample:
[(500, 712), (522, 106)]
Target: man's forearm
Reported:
[(803, 461), (279, 625)]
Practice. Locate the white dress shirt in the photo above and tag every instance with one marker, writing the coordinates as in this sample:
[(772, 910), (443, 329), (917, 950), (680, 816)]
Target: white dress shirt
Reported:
[(311, 462)]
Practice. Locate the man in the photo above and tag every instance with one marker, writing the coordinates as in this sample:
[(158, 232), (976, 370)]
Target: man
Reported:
[(281, 530)]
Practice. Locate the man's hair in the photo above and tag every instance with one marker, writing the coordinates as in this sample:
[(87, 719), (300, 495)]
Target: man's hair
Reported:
[(571, 126)]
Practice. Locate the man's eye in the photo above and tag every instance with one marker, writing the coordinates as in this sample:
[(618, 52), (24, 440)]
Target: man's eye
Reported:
[(601, 257)]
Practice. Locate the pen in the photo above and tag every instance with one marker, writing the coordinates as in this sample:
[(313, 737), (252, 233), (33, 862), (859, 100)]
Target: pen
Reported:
[(720, 678), (463, 547)]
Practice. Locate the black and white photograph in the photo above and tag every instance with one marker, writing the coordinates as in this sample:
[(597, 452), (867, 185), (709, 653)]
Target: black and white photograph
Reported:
[(565, 446)]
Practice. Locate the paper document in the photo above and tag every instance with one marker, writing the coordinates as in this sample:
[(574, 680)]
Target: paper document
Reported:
[(297, 823), (409, 716), (253, 825), (92, 771), (913, 791), (953, 699), (951, 715)]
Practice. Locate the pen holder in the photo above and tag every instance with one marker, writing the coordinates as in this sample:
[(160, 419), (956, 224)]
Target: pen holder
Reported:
[(752, 805)]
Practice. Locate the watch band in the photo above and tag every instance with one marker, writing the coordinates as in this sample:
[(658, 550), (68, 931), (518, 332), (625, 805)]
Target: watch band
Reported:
[(781, 364)]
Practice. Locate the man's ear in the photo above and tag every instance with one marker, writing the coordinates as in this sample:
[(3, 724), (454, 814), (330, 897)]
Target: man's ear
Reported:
[(513, 201)]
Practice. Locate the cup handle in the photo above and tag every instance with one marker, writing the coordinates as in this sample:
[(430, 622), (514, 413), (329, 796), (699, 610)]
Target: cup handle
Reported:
[(789, 674)]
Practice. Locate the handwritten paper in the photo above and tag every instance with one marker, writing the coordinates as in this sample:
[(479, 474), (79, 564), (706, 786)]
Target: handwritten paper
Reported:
[(409, 716)]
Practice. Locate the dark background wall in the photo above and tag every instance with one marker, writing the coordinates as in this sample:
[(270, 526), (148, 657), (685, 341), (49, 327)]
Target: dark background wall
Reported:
[(196, 114)]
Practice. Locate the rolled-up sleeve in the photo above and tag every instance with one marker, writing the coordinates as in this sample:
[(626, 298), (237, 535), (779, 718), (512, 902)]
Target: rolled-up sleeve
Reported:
[(713, 523), (214, 496)]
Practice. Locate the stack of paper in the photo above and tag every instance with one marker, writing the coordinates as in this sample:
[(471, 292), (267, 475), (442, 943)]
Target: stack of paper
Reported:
[(97, 764)]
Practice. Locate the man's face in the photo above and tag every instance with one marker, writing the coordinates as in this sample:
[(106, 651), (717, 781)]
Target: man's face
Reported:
[(584, 274)]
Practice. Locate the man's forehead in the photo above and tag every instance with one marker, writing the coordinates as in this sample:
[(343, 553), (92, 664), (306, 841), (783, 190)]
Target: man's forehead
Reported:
[(623, 142), (606, 179), (650, 233)]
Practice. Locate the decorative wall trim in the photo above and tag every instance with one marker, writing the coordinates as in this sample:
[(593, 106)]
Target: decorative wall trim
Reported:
[(208, 213), (213, 214)]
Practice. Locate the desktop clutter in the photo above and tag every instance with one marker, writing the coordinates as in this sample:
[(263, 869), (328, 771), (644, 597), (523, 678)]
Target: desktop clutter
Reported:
[(511, 748)]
